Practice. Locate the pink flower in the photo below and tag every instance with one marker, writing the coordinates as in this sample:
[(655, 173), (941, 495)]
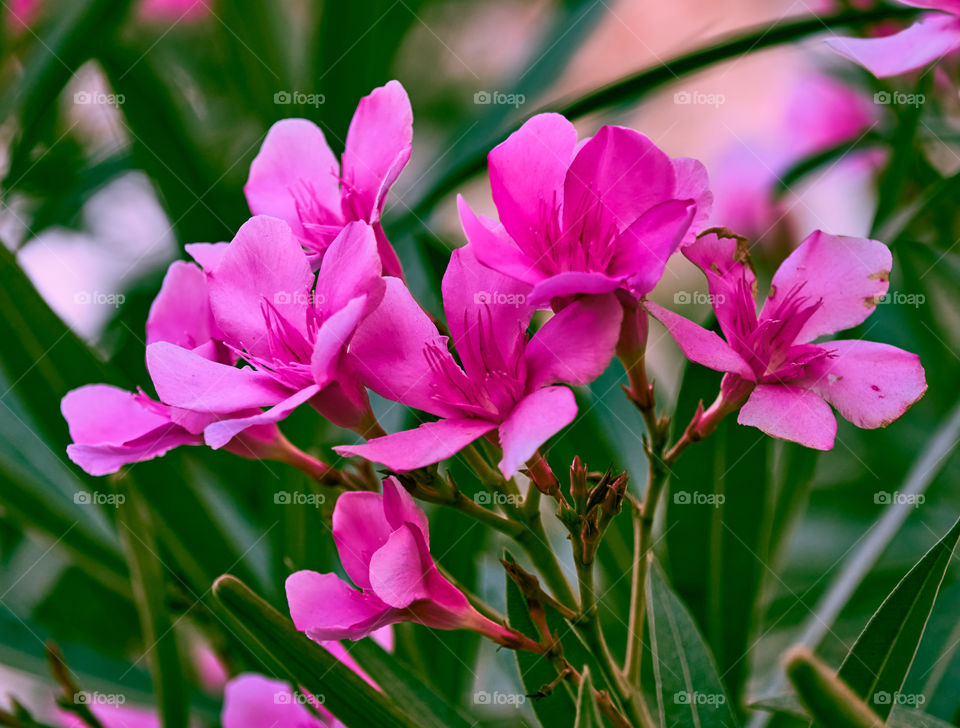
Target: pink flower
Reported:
[(503, 381), (383, 541), (934, 36), (254, 701), (589, 218), (290, 327), (25, 13), (783, 381), (296, 176), (111, 427)]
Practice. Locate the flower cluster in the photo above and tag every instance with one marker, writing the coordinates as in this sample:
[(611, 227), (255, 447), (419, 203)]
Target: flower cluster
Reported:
[(307, 306)]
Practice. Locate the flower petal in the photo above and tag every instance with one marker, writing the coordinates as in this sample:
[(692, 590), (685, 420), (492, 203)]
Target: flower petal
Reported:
[(495, 248), (294, 159), (485, 309), (693, 182), (642, 250), (378, 146), (185, 379), (359, 529), (573, 283), (399, 507), (870, 384), (264, 263), (527, 173), (206, 255), (333, 336), (700, 345), (218, 434), (254, 701), (624, 172), (101, 413), (398, 571), (398, 371), (181, 312), (350, 268), (327, 608), (928, 40), (428, 444), (535, 419), (577, 344), (790, 413), (848, 275)]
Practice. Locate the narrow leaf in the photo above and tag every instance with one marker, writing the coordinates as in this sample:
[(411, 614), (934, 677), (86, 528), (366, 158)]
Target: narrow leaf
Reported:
[(588, 712)]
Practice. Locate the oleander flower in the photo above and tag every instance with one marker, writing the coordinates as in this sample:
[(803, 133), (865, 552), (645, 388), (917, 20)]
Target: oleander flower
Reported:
[(934, 36), (290, 327), (780, 380), (504, 381), (112, 427), (585, 219), (296, 177), (384, 546)]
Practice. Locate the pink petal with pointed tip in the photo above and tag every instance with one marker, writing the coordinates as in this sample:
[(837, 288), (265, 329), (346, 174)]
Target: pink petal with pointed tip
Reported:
[(430, 443), (294, 157), (693, 182), (926, 41), (399, 507), (848, 275), (700, 345), (790, 413), (870, 384), (576, 345), (536, 418), (527, 172), (378, 146)]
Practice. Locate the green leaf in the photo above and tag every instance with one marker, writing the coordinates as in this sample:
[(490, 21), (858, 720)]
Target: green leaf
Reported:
[(149, 588), (401, 683), (588, 712), (789, 705), (828, 698), (291, 655), (689, 688), (877, 664)]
